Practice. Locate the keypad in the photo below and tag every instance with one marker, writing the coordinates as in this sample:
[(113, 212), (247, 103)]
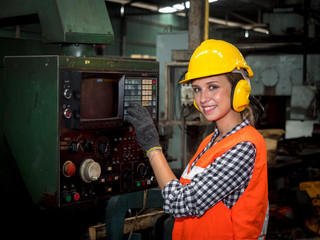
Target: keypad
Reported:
[(143, 91)]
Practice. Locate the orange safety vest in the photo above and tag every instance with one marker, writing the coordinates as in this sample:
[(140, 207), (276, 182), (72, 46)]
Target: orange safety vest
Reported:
[(248, 218)]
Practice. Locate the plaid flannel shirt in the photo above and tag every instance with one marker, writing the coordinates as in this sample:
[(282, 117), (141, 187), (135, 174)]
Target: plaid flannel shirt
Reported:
[(225, 179)]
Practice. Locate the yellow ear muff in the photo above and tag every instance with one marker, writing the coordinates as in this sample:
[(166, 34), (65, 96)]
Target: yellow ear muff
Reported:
[(196, 106), (240, 95)]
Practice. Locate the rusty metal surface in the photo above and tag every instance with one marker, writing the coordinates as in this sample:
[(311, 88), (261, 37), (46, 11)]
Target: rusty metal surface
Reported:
[(196, 23)]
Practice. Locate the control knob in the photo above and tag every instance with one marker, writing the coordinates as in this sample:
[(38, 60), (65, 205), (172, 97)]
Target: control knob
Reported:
[(103, 147), (90, 170), (87, 145), (74, 147), (142, 170)]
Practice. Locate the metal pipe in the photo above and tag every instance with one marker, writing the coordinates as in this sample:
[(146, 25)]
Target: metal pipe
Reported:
[(18, 31), (196, 23), (305, 40), (132, 19), (183, 161), (123, 32), (206, 21)]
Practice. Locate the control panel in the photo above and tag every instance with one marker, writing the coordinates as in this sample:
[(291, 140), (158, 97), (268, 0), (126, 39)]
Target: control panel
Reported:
[(100, 156), (101, 163), (70, 118)]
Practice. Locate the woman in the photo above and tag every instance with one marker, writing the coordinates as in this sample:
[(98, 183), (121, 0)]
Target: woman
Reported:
[(223, 192)]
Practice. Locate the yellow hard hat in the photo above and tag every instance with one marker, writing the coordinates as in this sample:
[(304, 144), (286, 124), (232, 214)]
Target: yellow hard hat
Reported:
[(215, 57)]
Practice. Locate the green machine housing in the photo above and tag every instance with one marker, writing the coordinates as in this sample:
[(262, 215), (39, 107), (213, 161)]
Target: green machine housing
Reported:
[(64, 123)]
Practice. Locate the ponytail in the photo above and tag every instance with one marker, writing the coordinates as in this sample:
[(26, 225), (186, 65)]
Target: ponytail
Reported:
[(247, 113)]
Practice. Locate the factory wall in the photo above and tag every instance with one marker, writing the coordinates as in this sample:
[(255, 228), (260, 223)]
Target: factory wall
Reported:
[(136, 32)]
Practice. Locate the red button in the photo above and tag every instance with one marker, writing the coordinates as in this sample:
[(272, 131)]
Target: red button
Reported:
[(154, 82), (69, 168), (76, 196), (67, 113)]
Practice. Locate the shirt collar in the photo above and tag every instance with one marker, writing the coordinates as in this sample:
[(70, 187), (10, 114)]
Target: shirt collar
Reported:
[(243, 124)]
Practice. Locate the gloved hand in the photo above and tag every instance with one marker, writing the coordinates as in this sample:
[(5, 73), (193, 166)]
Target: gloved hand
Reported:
[(147, 135)]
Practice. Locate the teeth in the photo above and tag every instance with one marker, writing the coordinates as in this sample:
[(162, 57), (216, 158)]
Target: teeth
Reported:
[(208, 108)]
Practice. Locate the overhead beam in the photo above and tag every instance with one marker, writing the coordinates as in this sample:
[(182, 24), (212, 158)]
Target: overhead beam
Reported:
[(242, 18)]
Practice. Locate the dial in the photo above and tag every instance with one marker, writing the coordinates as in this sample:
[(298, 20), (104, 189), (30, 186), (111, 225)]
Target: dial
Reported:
[(90, 170), (74, 147), (142, 170), (87, 145), (103, 147)]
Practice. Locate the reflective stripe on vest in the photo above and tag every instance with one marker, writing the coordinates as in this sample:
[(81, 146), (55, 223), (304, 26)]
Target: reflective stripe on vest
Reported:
[(248, 218)]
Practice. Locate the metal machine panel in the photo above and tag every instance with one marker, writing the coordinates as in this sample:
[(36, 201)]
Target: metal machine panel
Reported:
[(92, 157), (80, 21), (31, 121)]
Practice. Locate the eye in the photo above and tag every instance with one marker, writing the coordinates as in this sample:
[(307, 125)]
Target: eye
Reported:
[(213, 87), (196, 89)]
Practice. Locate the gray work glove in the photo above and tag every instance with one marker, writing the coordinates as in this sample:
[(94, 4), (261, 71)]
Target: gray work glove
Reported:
[(147, 135)]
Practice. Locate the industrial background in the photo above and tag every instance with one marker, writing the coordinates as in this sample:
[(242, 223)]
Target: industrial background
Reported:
[(47, 47)]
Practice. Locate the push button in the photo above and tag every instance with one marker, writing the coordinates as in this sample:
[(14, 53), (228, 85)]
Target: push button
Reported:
[(75, 196), (68, 169), (67, 197), (67, 113), (67, 93)]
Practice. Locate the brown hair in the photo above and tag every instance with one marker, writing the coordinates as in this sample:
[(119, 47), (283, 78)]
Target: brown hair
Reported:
[(247, 113)]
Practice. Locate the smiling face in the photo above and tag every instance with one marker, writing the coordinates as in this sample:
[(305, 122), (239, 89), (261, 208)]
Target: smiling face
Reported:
[(212, 96)]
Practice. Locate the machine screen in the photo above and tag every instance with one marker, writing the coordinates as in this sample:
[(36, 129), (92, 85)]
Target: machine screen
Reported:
[(99, 98)]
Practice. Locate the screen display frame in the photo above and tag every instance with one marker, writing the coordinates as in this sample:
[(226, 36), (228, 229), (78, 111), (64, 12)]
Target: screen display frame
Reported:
[(120, 78), (70, 97), (70, 100)]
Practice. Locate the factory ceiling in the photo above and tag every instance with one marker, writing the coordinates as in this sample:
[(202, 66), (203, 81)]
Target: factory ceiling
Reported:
[(289, 21), (240, 10), (232, 13)]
